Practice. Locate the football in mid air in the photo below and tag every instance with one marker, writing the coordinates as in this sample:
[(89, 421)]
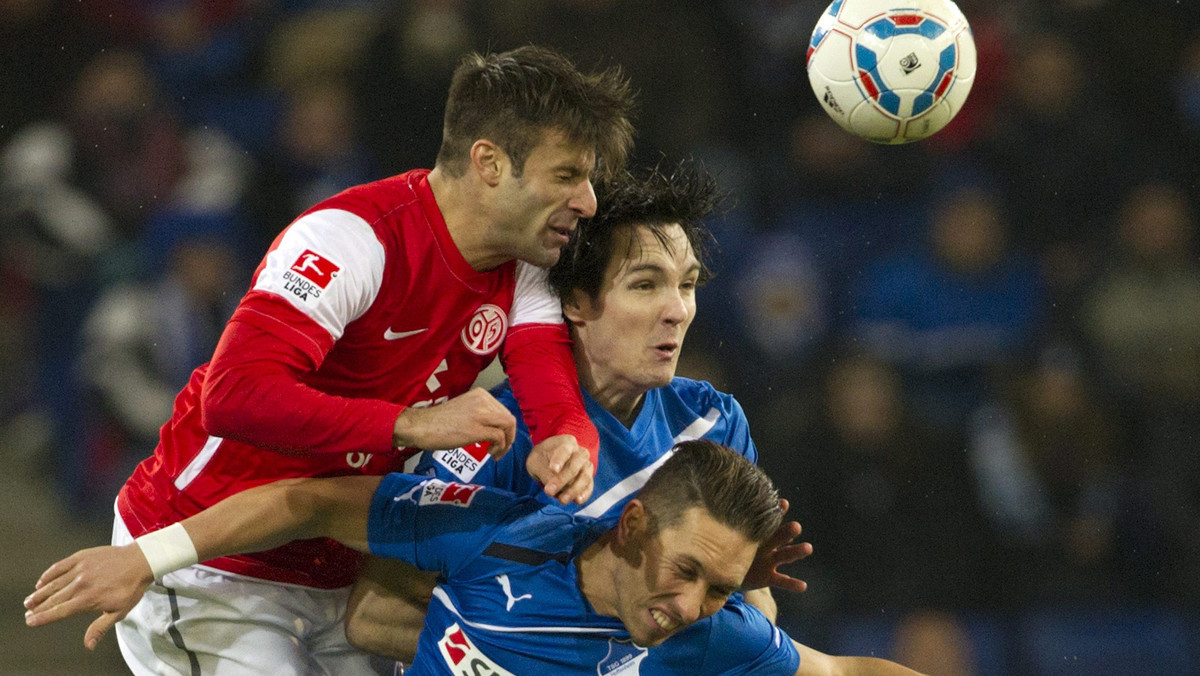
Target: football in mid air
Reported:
[(892, 71)]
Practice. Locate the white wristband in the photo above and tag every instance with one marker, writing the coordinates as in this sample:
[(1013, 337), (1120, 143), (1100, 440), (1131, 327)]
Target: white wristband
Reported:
[(167, 550)]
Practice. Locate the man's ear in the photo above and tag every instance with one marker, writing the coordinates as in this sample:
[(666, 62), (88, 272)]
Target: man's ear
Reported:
[(489, 161), (633, 525), (577, 307)]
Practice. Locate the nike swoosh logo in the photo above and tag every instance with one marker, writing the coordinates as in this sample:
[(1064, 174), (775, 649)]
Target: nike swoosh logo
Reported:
[(394, 335)]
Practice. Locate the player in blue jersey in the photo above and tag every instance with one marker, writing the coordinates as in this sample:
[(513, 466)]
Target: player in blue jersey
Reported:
[(628, 282), (525, 587)]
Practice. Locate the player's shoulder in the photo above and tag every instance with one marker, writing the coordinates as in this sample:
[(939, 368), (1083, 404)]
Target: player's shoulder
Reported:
[(741, 639), (699, 395)]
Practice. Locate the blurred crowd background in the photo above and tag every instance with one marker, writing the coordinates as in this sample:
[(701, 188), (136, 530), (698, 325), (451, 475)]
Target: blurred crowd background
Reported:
[(971, 363)]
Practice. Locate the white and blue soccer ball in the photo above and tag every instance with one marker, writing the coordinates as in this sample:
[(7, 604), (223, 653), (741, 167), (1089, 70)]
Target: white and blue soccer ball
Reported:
[(892, 71)]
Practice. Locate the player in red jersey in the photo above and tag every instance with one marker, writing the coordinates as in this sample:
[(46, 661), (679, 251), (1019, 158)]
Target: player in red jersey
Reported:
[(365, 325)]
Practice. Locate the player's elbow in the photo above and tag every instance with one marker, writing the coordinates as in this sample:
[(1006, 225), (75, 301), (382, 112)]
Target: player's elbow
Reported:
[(393, 635), (371, 638), (221, 411)]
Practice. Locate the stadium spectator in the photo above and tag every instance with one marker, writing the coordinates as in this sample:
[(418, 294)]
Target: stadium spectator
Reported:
[(953, 312), (1142, 321)]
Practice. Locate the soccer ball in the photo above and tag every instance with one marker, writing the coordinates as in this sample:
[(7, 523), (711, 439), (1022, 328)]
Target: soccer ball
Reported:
[(892, 71)]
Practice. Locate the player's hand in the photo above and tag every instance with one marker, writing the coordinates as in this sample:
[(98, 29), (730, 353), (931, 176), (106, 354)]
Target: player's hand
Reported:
[(466, 419), (776, 551), (110, 580), (563, 467)]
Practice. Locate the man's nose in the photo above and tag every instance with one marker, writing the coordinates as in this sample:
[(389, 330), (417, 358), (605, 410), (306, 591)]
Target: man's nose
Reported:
[(676, 309), (583, 202)]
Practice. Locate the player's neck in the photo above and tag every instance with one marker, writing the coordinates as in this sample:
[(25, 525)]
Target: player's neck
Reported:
[(595, 566), (613, 394), (466, 219)]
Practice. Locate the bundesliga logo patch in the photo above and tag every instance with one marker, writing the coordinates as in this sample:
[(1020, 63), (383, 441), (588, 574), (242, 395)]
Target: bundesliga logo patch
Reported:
[(315, 268), (436, 492), (464, 462), (307, 278), (464, 658)]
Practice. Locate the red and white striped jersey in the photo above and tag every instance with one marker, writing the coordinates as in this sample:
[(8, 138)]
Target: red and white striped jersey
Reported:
[(361, 307)]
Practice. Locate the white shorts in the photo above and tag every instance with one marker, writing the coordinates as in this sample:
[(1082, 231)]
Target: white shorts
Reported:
[(200, 620)]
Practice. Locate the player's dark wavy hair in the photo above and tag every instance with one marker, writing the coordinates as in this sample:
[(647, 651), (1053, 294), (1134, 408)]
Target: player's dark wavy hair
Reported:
[(652, 198), (706, 474), (514, 97)]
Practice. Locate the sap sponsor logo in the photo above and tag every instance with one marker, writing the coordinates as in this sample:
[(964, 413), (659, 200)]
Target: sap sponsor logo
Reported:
[(485, 330), (464, 462), (464, 658), (624, 658), (438, 492)]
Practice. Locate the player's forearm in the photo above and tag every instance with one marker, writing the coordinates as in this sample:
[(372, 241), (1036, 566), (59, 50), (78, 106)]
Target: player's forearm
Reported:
[(541, 370), (274, 514), (254, 393), (764, 601), (816, 663), (873, 666)]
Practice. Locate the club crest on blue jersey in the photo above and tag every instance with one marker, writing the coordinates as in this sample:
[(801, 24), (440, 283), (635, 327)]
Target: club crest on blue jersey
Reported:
[(624, 658)]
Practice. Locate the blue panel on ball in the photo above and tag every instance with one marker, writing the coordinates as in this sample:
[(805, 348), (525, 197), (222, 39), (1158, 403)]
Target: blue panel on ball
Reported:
[(867, 60)]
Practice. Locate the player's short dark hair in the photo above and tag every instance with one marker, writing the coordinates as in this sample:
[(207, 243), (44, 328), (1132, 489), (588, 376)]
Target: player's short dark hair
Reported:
[(703, 473), (652, 198), (513, 98)]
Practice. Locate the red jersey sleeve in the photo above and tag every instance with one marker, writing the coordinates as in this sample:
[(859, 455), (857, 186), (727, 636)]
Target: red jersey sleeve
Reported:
[(254, 391), (541, 370)]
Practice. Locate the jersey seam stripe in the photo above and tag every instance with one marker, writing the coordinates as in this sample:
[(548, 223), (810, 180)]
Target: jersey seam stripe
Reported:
[(440, 595), (198, 463), (524, 555), (635, 481)]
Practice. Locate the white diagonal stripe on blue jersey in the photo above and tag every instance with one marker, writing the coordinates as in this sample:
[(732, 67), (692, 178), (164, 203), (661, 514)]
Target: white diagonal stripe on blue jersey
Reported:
[(441, 595), (634, 482)]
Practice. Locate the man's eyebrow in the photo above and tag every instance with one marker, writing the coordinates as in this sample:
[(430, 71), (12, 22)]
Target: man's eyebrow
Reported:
[(651, 266), (571, 169), (692, 561)]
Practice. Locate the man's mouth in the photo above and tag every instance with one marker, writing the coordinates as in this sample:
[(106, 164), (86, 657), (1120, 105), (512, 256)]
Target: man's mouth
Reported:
[(667, 349), (665, 623), (562, 234)]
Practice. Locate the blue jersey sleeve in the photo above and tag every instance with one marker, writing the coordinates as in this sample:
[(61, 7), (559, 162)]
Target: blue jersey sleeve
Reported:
[(436, 525), (737, 436), (743, 641)]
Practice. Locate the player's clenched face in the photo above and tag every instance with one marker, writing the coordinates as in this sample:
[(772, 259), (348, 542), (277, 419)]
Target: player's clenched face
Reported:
[(540, 208), (685, 573), (631, 335)]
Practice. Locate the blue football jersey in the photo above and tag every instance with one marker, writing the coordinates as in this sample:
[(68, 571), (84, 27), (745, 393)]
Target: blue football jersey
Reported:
[(508, 601), (683, 410)]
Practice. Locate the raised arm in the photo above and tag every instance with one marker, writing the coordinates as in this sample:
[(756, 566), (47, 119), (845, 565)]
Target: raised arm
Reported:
[(541, 369), (111, 579)]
